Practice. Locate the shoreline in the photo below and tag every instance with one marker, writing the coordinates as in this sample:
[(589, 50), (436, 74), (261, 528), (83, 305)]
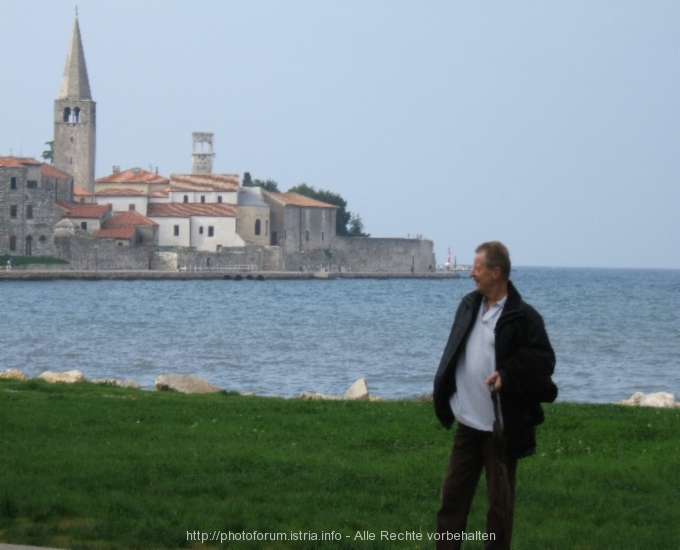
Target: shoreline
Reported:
[(127, 275)]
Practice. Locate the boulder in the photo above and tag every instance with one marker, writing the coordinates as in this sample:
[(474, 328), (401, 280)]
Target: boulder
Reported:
[(660, 400), (67, 377), (358, 390), (113, 382), (184, 383), (13, 374)]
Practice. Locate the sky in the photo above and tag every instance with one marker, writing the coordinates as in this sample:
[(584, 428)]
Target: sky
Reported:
[(551, 126)]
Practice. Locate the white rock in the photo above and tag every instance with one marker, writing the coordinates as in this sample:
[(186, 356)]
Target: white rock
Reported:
[(660, 400), (318, 396), (358, 390), (128, 384), (13, 374), (67, 377), (185, 383)]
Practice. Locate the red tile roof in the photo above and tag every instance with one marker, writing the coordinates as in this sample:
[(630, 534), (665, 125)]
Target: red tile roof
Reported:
[(183, 210), (133, 175), (80, 192), (204, 182), (52, 172), (295, 199), (160, 193), (10, 162), (128, 218), (73, 210), (117, 232), (117, 192)]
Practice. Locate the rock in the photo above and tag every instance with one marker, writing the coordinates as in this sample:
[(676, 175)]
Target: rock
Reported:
[(13, 374), (128, 384), (68, 377), (376, 398), (185, 383), (660, 400), (113, 382), (317, 396), (358, 390), (105, 381), (247, 393)]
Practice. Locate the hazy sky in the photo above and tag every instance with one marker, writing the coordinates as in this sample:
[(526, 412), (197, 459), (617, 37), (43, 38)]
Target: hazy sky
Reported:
[(552, 126)]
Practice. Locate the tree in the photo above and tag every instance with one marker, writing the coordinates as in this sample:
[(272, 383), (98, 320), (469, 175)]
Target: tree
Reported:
[(48, 154), (268, 185), (356, 227), (343, 216)]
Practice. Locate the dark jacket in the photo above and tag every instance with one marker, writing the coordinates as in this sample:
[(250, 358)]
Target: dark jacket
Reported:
[(525, 361)]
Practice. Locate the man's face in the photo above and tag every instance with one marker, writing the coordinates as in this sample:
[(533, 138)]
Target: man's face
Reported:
[(483, 276)]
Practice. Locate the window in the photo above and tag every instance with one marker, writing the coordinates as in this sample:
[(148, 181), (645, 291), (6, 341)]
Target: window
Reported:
[(186, 199), (83, 226), (257, 227), (211, 231), (219, 199), (13, 183), (12, 243), (202, 198), (31, 184), (322, 236), (275, 238), (120, 243), (131, 207), (42, 238), (82, 201), (29, 246), (67, 114), (306, 235), (176, 229), (13, 211), (29, 211), (76, 115), (200, 230)]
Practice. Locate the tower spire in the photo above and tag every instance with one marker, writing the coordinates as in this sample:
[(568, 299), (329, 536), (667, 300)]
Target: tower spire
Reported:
[(75, 83)]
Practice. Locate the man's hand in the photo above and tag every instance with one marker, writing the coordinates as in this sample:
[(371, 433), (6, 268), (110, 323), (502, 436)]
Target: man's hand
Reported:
[(494, 382)]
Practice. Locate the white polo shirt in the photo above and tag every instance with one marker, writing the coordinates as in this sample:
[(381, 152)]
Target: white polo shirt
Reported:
[(471, 403)]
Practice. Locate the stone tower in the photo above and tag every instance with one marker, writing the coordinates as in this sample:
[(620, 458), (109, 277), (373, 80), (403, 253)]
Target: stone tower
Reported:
[(75, 118), (202, 160)]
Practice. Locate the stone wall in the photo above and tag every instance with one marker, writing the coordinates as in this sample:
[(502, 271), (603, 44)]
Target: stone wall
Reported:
[(88, 253), (259, 258), (367, 255)]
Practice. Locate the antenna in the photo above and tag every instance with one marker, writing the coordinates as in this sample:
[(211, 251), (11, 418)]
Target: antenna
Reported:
[(76, 11)]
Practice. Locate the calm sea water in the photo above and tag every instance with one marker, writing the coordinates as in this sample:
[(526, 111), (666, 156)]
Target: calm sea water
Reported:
[(615, 331)]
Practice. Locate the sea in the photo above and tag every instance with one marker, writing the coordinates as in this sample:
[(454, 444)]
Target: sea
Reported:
[(614, 331)]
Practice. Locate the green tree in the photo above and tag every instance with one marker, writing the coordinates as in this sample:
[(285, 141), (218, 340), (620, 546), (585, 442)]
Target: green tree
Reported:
[(267, 185), (343, 216), (356, 227), (48, 154)]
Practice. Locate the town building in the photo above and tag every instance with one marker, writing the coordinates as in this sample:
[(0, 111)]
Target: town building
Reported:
[(130, 228), (300, 223), (28, 191)]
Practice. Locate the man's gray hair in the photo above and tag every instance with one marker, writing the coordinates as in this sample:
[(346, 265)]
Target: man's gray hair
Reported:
[(497, 255)]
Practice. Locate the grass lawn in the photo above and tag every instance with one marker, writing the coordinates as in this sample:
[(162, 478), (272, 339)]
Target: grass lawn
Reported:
[(86, 466)]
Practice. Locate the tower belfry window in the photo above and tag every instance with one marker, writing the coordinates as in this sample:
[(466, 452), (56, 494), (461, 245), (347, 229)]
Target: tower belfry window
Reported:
[(76, 114), (67, 114)]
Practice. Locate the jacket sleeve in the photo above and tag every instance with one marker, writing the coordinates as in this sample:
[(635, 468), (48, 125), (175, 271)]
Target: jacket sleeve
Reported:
[(527, 372)]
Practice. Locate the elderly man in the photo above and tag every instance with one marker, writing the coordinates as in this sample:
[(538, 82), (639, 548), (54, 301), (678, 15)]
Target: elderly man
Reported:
[(497, 349)]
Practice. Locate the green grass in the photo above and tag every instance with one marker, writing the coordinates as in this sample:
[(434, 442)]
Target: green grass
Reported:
[(86, 466), (26, 260)]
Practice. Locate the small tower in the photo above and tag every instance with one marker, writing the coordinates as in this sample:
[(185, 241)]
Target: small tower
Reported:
[(202, 161), (75, 118)]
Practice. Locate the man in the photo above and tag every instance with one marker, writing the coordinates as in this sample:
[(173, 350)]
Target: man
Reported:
[(498, 348)]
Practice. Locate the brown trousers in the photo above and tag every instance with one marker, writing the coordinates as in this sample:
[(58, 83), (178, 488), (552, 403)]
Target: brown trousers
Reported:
[(472, 451)]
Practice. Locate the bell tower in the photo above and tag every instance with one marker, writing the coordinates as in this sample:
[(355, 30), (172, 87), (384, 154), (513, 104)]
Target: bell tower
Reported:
[(75, 118)]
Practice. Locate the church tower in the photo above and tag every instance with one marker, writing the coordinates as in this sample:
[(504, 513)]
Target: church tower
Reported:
[(75, 118)]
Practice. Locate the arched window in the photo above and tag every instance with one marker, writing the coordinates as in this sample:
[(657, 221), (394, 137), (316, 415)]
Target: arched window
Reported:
[(76, 114), (186, 198), (12, 243), (67, 114), (29, 246), (257, 227)]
